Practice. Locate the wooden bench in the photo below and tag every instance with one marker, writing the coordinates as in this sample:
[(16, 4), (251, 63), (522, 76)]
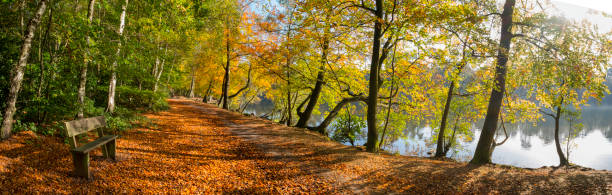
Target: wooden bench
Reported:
[(80, 154)]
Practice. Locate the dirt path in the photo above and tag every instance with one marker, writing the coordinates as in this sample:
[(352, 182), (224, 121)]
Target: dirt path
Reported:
[(198, 148)]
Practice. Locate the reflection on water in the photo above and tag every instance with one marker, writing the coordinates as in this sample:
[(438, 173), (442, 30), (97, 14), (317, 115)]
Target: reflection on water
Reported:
[(529, 145)]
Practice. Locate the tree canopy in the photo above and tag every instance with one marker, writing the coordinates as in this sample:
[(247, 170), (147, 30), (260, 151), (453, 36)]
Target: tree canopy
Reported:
[(388, 63)]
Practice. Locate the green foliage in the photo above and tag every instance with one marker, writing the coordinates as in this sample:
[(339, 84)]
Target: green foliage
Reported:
[(19, 126), (154, 42), (91, 110), (121, 120), (28, 126), (395, 129), (347, 128), (117, 123), (133, 98)]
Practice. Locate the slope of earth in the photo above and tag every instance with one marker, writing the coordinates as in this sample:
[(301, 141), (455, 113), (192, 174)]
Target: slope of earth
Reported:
[(198, 148)]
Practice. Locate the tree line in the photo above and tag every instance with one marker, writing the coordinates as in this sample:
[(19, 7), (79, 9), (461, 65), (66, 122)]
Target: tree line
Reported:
[(65, 60), (446, 64)]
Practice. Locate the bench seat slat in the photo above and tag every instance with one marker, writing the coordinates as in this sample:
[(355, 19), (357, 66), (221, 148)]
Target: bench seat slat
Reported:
[(96, 143)]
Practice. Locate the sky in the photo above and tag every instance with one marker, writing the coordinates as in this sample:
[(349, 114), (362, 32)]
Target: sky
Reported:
[(580, 10), (601, 5)]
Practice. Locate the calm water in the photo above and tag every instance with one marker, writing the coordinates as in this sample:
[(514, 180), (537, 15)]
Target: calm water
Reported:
[(528, 146)]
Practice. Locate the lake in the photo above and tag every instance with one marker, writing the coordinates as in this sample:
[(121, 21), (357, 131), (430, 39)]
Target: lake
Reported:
[(528, 146)]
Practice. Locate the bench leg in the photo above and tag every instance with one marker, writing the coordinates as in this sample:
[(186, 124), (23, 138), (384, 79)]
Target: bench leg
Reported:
[(110, 149), (105, 150), (81, 164)]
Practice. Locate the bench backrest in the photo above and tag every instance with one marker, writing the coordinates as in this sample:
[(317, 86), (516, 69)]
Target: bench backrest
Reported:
[(77, 127)]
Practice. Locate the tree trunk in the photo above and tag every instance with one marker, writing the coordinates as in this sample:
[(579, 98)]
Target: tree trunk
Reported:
[(22, 18), (18, 72), (41, 77), (289, 109), (452, 138), (155, 67), (314, 96), (441, 148), (246, 86), (562, 160), (113, 80), (449, 96), (159, 73), (161, 70), (483, 152), (371, 145), (382, 137), (192, 86), (53, 52), (226, 77), (83, 75), (42, 66), (391, 95), (208, 91), (334, 112)]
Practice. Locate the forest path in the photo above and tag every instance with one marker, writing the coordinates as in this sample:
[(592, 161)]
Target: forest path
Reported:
[(199, 148)]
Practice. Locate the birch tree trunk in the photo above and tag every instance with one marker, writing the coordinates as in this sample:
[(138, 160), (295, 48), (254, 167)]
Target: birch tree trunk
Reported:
[(113, 80), (159, 73), (155, 67), (83, 79), (18, 72)]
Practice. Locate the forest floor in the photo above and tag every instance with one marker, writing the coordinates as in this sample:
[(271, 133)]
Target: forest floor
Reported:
[(198, 148)]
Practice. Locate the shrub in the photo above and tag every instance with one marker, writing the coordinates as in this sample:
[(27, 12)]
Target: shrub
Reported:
[(91, 110), (133, 98), (347, 128), (24, 126), (120, 120)]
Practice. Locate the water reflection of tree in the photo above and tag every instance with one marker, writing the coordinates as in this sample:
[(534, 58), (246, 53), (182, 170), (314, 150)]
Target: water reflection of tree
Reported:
[(414, 132), (525, 141), (598, 118), (594, 118)]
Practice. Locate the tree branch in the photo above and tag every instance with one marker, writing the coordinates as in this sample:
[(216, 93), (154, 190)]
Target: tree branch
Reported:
[(547, 113), (245, 86)]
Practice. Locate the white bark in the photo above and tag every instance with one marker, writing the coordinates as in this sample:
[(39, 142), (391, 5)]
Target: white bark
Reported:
[(158, 76), (113, 80), (155, 67), (83, 80), (18, 71)]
